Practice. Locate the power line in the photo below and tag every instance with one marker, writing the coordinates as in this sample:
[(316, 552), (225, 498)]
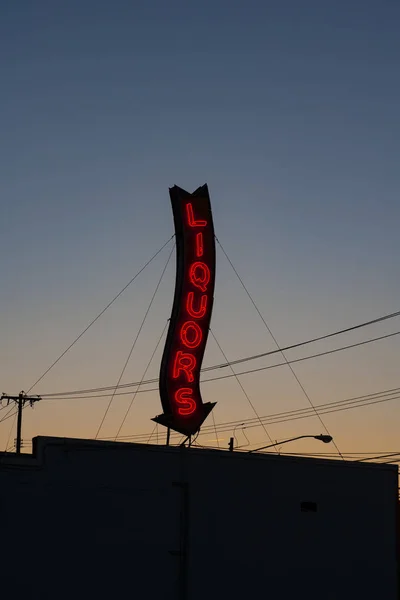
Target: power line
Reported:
[(394, 392), (64, 396), (296, 360), (151, 435), (242, 388), (248, 358), (8, 415), (144, 374), (353, 455), (20, 402), (353, 400), (348, 455), (215, 427), (11, 428), (324, 411), (277, 345), (307, 412), (337, 406), (298, 345), (100, 314), (389, 455), (135, 340)]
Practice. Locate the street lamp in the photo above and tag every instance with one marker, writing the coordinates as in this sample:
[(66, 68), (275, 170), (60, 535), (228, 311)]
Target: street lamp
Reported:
[(322, 438)]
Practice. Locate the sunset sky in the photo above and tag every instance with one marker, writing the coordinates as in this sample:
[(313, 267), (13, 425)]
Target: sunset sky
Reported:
[(290, 112)]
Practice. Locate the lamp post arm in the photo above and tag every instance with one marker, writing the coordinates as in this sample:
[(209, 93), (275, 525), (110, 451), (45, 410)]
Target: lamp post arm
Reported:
[(299, 437)]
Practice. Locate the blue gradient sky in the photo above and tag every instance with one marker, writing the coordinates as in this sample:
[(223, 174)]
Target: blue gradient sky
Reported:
[(288, 110)]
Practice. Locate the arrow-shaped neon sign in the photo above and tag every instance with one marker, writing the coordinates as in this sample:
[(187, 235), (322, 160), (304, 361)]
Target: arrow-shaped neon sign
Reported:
[(183, 407)]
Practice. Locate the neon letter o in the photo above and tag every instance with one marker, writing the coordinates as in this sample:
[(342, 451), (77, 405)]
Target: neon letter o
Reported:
[(196, 334)]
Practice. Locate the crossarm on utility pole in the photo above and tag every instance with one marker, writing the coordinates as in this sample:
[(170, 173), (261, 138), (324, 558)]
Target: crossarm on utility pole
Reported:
[(20, 401)]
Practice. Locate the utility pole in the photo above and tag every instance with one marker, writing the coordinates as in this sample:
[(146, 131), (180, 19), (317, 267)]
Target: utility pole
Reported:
[(20, 401)]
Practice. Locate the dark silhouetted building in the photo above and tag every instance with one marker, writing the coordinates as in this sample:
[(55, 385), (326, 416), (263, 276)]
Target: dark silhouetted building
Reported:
[(97, 520)]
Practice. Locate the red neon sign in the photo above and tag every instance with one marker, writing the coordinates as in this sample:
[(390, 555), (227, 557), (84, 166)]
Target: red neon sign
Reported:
[(184, 396), (199, 245), (199, 275), (191, 314), (184, 363), (190, 217), (200, 311), (191, 334)]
